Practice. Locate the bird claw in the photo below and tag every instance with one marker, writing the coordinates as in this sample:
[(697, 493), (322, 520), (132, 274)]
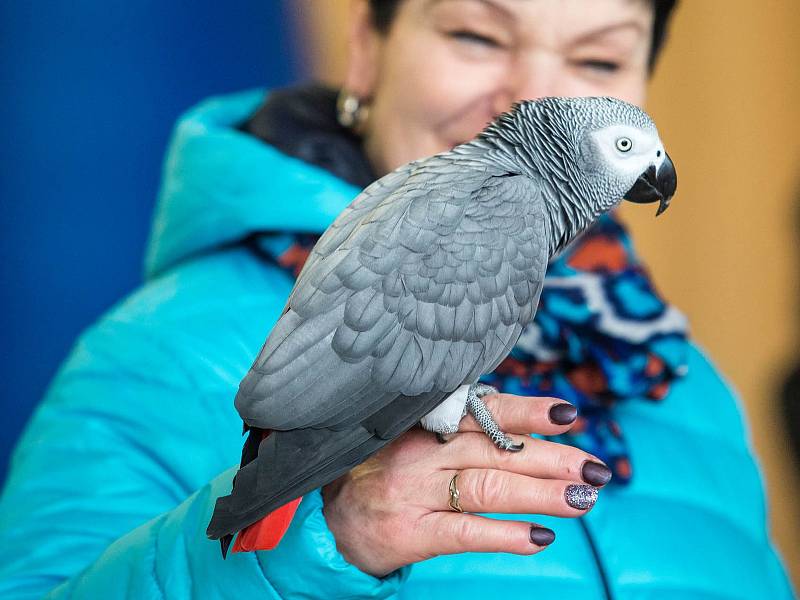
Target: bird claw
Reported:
[(477, 408), (511, 446)]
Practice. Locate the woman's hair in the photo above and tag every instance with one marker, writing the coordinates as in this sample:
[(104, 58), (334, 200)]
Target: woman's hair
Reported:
[(383, 12)]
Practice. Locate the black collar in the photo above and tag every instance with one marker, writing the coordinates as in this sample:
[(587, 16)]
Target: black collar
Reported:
[(301, 121)]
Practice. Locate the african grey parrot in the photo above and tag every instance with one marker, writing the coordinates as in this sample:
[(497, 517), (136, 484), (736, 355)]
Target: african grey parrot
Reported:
[(423, 284)]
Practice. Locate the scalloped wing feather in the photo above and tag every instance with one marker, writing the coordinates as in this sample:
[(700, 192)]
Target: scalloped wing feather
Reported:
[(418, 288)]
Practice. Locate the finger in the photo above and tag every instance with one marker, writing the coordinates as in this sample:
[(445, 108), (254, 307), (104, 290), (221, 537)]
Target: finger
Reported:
[(453, 533), (526, 414), (493, 491), (538, 458)]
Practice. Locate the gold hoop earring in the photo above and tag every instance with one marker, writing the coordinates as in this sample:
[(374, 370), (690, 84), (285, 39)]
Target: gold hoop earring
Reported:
[(350, 111)]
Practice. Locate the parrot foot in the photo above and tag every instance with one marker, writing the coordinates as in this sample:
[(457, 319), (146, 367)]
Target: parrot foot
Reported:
[(477, 408)]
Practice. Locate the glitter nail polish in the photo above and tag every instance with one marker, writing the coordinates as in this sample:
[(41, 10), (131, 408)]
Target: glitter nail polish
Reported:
[(580, 496)]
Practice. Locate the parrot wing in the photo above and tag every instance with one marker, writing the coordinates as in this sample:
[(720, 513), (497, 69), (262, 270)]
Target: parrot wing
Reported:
[(423, 285)]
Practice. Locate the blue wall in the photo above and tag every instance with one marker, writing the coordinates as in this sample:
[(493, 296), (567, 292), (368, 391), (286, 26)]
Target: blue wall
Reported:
[(90, 91)]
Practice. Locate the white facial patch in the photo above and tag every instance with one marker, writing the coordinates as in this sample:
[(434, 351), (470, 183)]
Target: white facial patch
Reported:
[(629, 151)]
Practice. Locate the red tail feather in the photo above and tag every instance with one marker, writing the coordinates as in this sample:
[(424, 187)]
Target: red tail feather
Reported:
[(266, 533)]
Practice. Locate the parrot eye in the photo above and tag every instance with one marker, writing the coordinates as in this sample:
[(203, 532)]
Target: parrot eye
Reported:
[(624, 144)]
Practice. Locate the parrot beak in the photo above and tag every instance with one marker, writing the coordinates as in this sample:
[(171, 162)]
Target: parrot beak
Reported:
[(655, 186)]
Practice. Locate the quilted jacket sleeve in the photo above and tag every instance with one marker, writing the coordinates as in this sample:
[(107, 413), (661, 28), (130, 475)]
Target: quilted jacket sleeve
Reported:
[(114, 481)]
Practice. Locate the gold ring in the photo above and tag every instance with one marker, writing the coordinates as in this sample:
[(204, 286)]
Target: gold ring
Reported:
[(454, 503)]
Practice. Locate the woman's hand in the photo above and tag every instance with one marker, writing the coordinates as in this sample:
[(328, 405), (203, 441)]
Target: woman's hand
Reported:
[(393, 509)]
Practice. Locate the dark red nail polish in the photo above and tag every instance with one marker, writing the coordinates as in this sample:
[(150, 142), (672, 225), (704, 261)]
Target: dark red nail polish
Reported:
[(563, 413), (542, 536), (595, 473)]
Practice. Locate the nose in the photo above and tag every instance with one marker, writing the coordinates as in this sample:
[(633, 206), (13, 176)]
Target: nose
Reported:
[(527, 77)]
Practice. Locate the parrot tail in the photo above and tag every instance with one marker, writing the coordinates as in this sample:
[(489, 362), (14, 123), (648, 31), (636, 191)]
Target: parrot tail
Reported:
[(266, 533), (289, 464)]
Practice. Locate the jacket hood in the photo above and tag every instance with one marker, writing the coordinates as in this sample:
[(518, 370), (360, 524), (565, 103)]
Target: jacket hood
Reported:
[(221, 184)]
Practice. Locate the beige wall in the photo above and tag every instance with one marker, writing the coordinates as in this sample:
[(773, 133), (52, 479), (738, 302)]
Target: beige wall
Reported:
[(726, 98)]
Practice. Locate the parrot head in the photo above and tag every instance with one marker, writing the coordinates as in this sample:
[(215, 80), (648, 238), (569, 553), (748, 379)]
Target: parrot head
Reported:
[(599, 149), (630, 152)]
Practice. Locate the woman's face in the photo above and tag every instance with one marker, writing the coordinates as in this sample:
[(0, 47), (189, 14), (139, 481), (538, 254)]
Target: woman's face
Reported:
[(446, 68)]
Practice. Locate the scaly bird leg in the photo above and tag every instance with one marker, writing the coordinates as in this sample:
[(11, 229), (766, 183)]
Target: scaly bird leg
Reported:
[(477, 408)]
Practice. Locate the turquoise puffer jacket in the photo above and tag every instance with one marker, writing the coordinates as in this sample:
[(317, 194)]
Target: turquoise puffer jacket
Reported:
[(112, 485)]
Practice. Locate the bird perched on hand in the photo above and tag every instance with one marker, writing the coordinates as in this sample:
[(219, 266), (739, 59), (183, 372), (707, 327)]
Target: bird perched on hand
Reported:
[(420, 286)]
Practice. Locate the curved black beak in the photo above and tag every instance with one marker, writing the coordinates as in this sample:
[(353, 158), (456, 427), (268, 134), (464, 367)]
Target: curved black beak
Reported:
[(655, 186)]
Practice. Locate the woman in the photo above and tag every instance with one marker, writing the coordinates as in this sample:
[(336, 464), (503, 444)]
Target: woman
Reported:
[(101, 498)]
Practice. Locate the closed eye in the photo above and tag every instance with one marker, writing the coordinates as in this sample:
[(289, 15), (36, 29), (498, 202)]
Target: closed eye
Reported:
[(472, 37), (604, 66)]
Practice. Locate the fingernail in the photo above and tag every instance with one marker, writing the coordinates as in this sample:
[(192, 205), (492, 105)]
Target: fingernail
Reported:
[(563, 413), (580, 496), (595, 473), (542, 536)]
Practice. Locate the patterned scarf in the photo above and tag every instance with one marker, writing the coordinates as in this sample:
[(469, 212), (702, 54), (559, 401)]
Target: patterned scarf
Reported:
[(601, 334)]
